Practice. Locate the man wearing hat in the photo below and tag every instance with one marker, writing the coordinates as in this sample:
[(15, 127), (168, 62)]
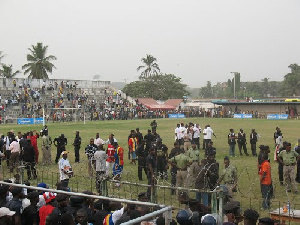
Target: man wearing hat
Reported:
[(30, 214), (232, 212), (65, 169), (289, 158), (6, 215)]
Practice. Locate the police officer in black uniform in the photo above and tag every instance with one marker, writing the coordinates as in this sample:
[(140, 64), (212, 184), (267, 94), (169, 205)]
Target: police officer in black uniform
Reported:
[(162, 161), (175, 151), (149, 138), (60, 143), (242, 142), (142, 155), (77, 143)]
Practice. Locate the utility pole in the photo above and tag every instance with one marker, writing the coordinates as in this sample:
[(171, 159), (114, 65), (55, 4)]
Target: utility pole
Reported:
[(234, 74)]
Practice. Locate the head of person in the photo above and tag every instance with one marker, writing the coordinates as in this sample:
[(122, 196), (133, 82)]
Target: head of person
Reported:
[(143, 197), (178, 125), (64, 154), (115, 206), (33, 197), (158, 140), (176, 144), (111, 138), (265, 221), (77, 133), (151, 151), (226, 161), (149, 131), (183, 217), (62, 136), (68, 219), (97, 135), (91, 141), (241, 130), (288, 147), (82, 216), (19, 135), (252, 130), (137, 130), (62, 200), (232, 210), (231, 130), (17, 192), (208, 219), (250, 217), (211, 157)]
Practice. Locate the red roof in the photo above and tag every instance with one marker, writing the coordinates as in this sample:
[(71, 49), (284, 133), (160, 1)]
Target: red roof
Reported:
[(150, 103), (173, 102)]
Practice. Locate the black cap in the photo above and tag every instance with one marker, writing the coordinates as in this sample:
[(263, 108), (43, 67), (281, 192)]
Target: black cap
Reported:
[(266, 220), (32, 194), (61, 197), (16, 190)]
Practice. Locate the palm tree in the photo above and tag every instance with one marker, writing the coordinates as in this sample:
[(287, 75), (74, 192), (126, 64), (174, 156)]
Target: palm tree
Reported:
[(150, 67), (1, 56), (7, 71), (39, 64)]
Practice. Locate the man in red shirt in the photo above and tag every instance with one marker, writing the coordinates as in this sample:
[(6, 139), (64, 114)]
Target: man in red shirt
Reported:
[(33, 139), (266, 182), (110, 156)]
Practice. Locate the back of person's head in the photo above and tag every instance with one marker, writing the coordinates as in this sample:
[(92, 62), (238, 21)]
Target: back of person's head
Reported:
[(184, 217), (250, 217), (160, 221), (67, 219), (53, 219), (208, 219)]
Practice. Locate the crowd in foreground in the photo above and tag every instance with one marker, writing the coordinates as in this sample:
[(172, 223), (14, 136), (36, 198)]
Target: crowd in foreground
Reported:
[(22, 206)]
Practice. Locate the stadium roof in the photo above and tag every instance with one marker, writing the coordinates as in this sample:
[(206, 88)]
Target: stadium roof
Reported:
[(151, 104), (173, 102)]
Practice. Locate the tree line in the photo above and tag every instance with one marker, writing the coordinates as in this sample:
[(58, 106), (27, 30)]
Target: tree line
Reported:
[(289, 87)]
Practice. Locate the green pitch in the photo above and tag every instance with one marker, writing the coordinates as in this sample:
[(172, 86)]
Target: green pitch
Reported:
[(248, 185)]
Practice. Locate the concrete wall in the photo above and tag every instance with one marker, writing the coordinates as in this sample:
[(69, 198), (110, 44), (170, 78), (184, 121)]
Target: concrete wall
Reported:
[(37, 83)]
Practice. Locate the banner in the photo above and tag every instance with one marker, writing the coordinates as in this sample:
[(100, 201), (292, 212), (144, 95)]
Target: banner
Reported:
[(277, 116), (30, 120), (176, 116), (242, 116)]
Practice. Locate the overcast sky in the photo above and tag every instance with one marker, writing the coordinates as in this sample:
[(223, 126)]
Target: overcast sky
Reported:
[(193, 39)]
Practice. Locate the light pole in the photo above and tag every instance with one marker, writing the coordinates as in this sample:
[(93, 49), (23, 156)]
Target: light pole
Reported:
[(234, 73)]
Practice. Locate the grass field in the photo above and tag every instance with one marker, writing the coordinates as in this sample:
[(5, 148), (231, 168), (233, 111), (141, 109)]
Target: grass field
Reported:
[(248, 186)]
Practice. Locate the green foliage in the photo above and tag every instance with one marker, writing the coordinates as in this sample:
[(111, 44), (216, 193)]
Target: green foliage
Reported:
[(159, 87), (291, 83), (7, 71), (149, 67), (39, 64)]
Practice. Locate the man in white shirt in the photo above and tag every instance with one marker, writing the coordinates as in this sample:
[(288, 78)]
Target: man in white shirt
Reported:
[(207, 134), (15, 150), (196, 135), (182, 132), (65, 169), (100, 158), (177, 131), (98, 140)]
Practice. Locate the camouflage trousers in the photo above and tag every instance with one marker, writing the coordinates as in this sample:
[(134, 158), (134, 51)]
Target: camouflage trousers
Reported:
[(289, 177)]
